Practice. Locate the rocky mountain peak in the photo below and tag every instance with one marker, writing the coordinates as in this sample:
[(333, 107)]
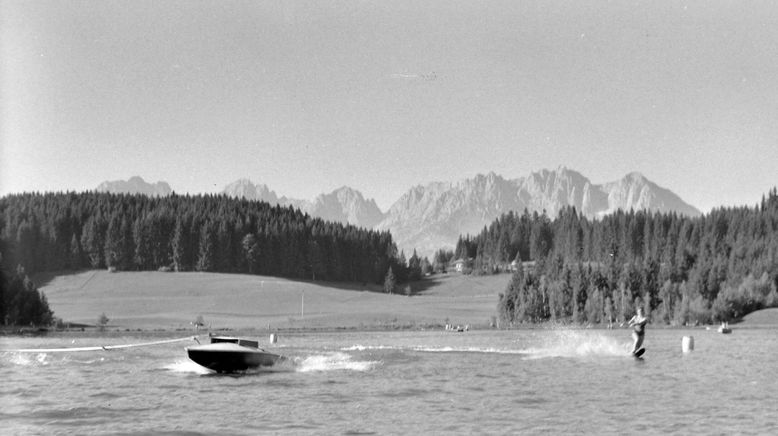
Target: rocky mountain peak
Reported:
[(135, 185), (245, 188), (346, 205), (635, 177)]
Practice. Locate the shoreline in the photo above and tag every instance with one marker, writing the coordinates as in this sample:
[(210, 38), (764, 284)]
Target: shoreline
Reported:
[(117, 331), (166, 303)]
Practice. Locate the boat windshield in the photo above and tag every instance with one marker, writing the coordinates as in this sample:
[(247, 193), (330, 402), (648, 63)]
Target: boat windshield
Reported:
[(239, 341)]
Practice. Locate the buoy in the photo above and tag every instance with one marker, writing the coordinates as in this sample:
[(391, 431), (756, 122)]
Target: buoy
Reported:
[(273, 338), (687, 344)]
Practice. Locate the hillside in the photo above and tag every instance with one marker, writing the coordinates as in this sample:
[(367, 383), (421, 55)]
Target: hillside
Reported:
[(157, 300), (764, 317), (70, 231)]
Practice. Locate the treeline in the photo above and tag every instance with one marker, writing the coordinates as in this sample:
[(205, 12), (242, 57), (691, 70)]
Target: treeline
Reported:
[(717, 267), (21, 304), (215, 233)]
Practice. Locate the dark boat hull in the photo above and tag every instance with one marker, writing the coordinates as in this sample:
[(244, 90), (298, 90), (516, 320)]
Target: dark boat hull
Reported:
[(231, 357)]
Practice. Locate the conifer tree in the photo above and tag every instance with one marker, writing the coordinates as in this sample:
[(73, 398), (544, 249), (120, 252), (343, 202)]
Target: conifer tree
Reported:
[(251, 252), (390, 283), (414, 267), (92, 241), (177, 247), (224, 247), (113, 243), (426, 267), (23, 304), (76, 256), (141, 241), (205, 251)]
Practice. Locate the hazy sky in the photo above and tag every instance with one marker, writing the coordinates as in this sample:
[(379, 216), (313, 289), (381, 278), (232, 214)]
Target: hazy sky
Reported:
[(308, 96)]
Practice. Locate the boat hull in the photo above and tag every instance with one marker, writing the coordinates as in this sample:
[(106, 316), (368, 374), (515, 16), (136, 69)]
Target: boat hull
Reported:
[(226, 357)]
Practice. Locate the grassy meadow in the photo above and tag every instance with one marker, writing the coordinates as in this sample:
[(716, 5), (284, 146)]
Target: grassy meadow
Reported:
[(761, 318), (172, 301)]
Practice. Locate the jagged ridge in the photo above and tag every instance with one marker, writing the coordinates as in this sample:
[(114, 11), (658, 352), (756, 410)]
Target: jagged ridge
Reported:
[(135, 185), (432, 216)]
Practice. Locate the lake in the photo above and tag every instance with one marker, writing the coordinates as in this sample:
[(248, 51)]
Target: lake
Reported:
[(548, 381)]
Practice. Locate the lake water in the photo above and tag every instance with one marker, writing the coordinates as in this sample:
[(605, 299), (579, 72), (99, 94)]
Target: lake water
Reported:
[(548, 381)]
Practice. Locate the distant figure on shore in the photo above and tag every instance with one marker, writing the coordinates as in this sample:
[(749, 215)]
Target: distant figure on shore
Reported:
[(638, 324)]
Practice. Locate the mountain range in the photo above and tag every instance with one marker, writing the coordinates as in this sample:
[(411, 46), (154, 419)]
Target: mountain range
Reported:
[(432, 216), (135, 185)]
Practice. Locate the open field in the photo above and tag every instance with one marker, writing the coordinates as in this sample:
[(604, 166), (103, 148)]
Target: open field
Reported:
[(170, 301)]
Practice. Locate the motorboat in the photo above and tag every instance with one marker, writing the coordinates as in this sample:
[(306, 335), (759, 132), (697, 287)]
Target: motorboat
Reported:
[(724, 328), (231, 354)]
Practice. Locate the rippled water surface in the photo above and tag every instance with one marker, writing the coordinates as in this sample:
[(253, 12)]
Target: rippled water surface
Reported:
[(485, 382)]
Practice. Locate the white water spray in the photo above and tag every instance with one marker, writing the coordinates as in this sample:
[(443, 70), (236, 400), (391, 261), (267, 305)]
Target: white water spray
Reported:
[(187, 366), (333, 362), (577, 343)]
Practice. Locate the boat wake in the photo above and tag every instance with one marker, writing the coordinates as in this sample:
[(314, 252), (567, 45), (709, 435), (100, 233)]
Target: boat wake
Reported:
[(22, 359), (428, 349), (576, 344), (336, 361), (572, 343), (187, 366), (43, 359)]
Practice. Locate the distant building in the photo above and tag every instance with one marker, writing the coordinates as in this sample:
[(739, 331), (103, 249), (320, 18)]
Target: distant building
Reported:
[(463, 265), (528, 266)]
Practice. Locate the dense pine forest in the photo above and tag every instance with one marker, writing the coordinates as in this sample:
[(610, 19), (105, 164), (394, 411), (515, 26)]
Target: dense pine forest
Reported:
[(682, 270), (70, 231), (73, 231), (21, 303)]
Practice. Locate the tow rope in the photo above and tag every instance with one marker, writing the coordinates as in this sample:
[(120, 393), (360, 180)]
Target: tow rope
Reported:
[(99, 348)]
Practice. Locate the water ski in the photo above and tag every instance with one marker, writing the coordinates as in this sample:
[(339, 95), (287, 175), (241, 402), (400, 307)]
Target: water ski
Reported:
[(639, 353)]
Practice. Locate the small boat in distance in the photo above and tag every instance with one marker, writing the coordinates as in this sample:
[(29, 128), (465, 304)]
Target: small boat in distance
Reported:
[(231, 354), (724, 328)]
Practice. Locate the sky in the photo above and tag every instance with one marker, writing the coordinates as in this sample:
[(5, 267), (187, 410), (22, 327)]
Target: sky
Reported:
[(309, 96)]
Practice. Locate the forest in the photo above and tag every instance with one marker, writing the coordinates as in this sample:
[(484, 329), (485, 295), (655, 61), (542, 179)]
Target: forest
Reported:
[(21, 303), (72, 231), (681, 270), (212, 233)]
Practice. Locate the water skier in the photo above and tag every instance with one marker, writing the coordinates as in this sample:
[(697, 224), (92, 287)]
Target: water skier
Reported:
[(638, 324)]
